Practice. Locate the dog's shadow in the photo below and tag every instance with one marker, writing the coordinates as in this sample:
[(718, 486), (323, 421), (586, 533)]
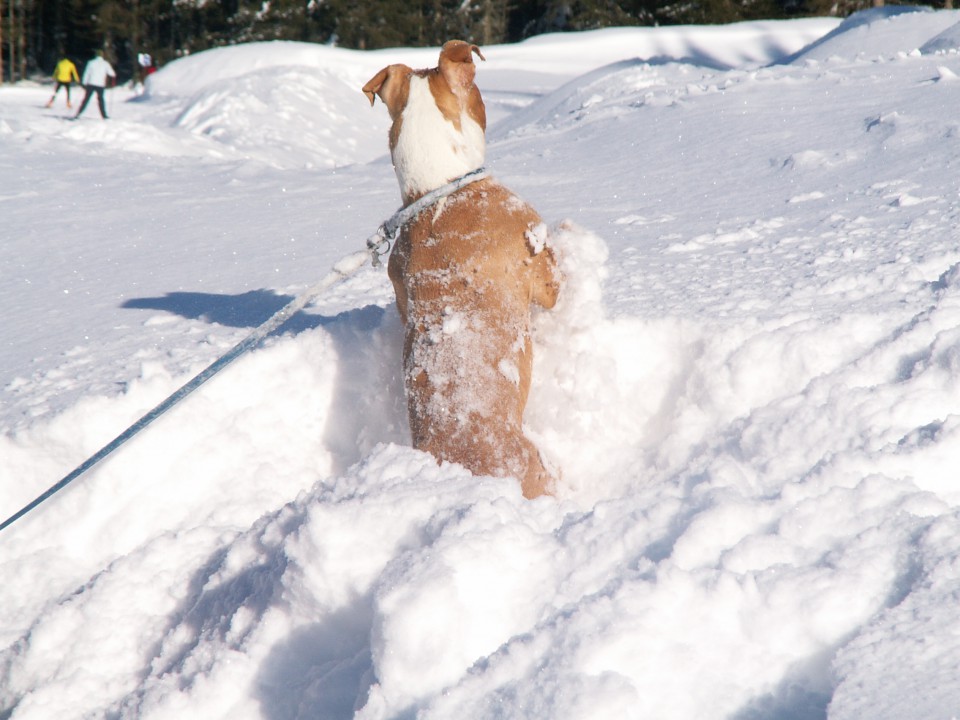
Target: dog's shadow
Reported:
[(367, 403), (246, 310)]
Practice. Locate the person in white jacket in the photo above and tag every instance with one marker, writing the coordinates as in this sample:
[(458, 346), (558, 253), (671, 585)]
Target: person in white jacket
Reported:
[(94, 80)]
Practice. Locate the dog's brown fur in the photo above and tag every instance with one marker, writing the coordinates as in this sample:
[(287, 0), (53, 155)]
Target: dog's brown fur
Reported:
[(465, 274)]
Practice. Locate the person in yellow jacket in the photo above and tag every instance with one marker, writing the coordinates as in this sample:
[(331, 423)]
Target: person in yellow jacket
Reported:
[(65, 73)]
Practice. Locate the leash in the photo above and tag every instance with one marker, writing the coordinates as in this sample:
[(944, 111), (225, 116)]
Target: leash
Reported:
[(382, 240), (341, 271)]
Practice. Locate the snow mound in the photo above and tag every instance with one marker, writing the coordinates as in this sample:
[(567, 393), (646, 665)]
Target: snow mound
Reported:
[(194, 73), (879, 33), (288, 117), (946, 42), (735, 45)]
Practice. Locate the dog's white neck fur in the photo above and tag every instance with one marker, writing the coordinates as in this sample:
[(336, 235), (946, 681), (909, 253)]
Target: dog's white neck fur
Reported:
[(430, 151)]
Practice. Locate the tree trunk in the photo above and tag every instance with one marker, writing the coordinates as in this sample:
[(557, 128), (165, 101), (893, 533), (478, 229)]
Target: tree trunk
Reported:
[(11, 40), (136, 70), (22, 41), (487, 29)]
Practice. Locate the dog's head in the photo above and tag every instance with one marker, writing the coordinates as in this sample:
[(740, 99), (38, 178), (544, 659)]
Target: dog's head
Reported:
[(438, 118), (456, 68)]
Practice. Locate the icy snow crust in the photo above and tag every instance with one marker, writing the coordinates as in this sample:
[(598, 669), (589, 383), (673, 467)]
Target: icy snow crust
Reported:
[(750, 385)]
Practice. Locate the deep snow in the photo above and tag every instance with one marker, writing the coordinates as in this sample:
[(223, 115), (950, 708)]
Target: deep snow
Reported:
[(751, 386)]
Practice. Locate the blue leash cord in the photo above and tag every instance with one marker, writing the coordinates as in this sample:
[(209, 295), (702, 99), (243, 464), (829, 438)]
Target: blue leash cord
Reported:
[(341, 271)]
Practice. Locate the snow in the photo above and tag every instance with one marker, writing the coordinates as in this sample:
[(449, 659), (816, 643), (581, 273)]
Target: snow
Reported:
[(750, 388)]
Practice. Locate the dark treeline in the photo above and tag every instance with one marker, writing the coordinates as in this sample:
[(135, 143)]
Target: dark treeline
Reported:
[(35, 33)]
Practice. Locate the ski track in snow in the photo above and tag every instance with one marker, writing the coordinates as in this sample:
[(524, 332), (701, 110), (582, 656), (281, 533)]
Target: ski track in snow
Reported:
[(750, 387)]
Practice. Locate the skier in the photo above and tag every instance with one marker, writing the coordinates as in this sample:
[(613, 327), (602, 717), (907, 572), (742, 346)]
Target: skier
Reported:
[(146, 69), (95, 76), (65, 74)]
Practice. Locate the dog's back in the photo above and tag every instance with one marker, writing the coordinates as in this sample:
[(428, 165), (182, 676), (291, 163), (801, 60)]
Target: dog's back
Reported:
[(465, 274), (465, 280)]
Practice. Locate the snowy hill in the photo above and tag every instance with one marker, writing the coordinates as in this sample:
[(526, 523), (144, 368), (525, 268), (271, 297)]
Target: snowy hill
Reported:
[(751, 387)]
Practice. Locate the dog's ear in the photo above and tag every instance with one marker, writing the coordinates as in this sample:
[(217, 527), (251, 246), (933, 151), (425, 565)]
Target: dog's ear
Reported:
[(457, 69), (459, 51), (391, 85), (374, 84), (456, 64)]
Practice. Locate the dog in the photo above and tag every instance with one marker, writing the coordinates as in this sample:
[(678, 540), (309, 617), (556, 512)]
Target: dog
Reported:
[(466, 273)]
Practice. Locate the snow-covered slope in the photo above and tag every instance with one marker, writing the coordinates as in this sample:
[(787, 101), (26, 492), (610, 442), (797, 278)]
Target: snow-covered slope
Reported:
[(751, 387)]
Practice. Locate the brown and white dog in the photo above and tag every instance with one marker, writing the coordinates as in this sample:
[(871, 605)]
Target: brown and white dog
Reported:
[(465, 273)]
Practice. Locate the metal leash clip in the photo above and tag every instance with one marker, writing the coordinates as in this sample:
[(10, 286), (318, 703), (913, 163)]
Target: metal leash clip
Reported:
[(378, 244)]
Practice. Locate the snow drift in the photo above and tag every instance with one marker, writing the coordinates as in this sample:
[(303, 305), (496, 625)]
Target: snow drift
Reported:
[(750, 386)]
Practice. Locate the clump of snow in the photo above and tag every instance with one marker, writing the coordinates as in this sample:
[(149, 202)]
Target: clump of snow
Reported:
[(748, 390), (537, 238), (945, 74)]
